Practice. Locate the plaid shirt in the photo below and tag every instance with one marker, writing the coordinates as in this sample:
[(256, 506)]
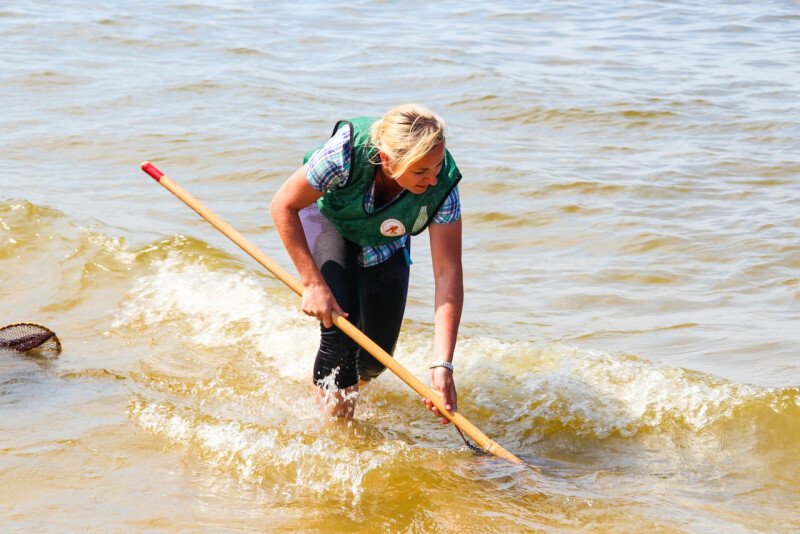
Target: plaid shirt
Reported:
[(329, 168)]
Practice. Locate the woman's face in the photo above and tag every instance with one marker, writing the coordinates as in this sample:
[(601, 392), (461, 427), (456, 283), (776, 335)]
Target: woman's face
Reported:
[(422, 173)]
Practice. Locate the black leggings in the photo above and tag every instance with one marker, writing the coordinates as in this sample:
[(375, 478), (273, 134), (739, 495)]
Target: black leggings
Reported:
[(374, 297)]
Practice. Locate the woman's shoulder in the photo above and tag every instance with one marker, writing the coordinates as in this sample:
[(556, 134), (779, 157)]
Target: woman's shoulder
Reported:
[(329, 166)]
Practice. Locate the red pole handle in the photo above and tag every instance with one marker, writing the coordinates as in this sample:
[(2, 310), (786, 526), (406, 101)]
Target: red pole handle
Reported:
[(151, 169)]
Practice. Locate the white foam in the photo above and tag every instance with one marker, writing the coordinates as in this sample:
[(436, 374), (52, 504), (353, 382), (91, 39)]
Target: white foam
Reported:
[(301, 463), (593, 392), (218, 308), (600, 393)]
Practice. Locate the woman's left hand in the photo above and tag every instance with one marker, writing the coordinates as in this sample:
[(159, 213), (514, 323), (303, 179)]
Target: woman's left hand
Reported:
[(443, 383)]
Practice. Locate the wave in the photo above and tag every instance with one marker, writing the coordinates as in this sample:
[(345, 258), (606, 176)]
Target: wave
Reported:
[(293, 463), (597, 394), (221, 360), (555, 387)]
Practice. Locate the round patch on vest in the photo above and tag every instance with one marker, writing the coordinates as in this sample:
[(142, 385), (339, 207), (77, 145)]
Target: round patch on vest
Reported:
[(392, 228)]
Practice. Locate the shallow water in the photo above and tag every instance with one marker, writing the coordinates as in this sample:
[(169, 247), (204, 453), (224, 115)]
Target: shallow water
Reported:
[(631, 257)]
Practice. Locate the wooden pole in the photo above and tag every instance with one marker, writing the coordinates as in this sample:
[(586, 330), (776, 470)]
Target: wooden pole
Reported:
[(344, 325)]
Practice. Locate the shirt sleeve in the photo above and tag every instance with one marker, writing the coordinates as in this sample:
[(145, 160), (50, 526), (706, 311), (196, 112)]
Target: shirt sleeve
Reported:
[(450, 210), (329, 166)]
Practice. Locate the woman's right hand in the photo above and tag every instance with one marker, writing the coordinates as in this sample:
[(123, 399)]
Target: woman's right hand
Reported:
[(319, 302)]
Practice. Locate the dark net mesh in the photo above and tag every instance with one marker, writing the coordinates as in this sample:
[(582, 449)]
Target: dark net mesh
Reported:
[(23, 337)]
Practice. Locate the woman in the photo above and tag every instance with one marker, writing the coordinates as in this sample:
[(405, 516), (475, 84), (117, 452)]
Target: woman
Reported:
[(345, 218)]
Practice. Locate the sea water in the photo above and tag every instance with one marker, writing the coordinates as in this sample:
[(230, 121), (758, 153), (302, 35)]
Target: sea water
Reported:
[(631, 253)]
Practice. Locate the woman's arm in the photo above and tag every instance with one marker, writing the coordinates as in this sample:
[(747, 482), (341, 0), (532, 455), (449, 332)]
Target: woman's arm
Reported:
[(449, 299), (294, 195)]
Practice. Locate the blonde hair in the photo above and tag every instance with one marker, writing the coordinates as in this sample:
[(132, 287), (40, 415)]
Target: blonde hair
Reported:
[(405, 134)]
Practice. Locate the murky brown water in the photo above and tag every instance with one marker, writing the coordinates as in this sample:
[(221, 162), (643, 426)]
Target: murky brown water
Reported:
[(631, 251)]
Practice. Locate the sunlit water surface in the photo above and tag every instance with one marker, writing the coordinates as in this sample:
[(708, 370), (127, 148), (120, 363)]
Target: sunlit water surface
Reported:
[(631, 252)]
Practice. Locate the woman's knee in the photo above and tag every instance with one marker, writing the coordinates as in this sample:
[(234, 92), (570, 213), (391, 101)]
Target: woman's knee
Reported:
[(335, 364), (369, 367)]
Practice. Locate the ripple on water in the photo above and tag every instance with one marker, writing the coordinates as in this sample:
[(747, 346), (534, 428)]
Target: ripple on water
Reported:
[(630, 182)]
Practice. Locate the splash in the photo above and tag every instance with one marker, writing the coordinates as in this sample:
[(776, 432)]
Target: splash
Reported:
[(557, 388), (334, 401), (218, 307), (516, 391), (292, 464), (593, 391)]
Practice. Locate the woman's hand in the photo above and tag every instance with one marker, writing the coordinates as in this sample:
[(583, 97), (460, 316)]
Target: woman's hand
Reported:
[(319, 302), (442, 382)]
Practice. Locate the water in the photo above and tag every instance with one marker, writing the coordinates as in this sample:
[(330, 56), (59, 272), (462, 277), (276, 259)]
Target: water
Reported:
[(631, 258)]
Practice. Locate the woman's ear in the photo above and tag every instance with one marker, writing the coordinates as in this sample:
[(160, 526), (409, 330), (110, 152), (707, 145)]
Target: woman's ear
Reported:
[(386, 163)]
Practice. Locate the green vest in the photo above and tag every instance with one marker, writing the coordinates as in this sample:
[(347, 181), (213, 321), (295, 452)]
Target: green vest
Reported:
[(408, 212)]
